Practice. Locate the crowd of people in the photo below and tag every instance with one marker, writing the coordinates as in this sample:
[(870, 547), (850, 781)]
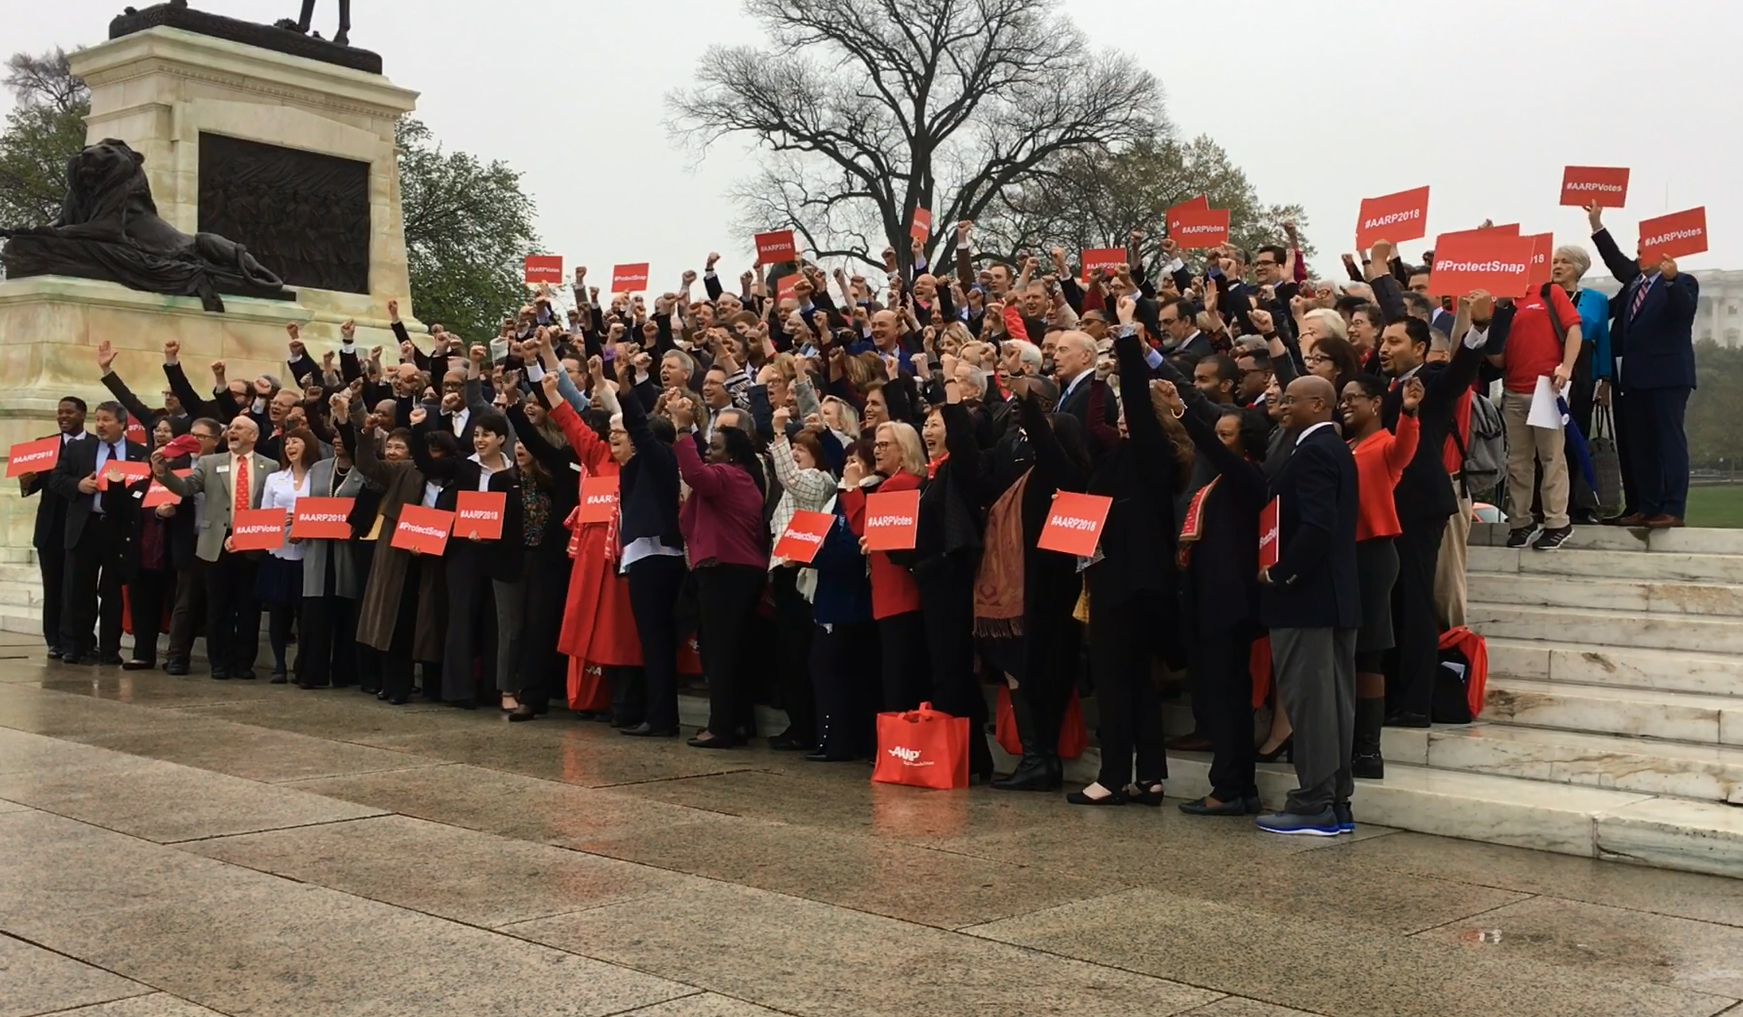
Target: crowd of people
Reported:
[(1193, 400)]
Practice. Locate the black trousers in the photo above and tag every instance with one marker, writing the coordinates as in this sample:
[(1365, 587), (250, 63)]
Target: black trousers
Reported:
[(1222, 681), (471, 620), (1657, 456), (1121, 635), (280, 620), (327, 652), (396, 663), (1410, 688), (726, 599), (907, 663), (1050, 672), (947, 608), (190, 610), (93, 589), (845, 684), (52, 563), (793, 634), (654, 583), (542, 668), (232, 613), (148, 594)]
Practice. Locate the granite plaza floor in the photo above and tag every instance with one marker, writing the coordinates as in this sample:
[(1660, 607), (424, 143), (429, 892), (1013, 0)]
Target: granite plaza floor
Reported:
[(173, 847)]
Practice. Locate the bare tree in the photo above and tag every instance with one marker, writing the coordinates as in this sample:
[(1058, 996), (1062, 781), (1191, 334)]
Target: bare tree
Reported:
[(873, 108), (47, 80)]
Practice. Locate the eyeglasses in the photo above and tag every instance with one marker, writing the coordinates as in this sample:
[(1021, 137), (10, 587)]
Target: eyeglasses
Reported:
[(1317, 358), (881, 445), (1264, 263)]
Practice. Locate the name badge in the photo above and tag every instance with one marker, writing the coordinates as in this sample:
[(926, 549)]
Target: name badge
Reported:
[(575, 466), (139, 494), (224, 469)]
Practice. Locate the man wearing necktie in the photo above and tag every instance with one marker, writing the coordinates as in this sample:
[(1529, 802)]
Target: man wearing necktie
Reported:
[(50, 534), (230, 481), (1652, 341), (102, 506)]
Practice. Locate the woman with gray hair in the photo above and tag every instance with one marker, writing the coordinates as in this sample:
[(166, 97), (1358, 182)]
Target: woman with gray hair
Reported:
[(1593, 372)]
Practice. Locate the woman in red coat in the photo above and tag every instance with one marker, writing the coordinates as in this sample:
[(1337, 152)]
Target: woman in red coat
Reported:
[(907, 667), (598, 629)]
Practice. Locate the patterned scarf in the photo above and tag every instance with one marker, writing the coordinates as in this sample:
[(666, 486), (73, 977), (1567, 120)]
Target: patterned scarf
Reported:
[(998, 583), (1192, 527)]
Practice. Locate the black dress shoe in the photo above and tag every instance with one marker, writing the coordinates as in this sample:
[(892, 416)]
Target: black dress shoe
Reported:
[(399, 700), (646, 730), (825, 756), (523, 712), (176, 667), (1202, 807), (280, 678), (244, 675), (1035, 773), (1141, 794), (713, 742), (784, 743), (54, 653), (1368, 765), (464, 704), (1403, 719), (219, 674), (381, 694), (138, 665), (312, 686), (369, 690)]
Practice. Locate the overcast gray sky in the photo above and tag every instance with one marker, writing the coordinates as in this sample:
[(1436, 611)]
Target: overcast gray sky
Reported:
[(1322, 104)]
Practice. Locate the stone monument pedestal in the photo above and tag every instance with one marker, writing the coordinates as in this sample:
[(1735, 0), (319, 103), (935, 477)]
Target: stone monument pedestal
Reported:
[(292, 157)]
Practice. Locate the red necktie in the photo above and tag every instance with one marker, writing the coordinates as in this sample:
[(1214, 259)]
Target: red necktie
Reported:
[(239, 500)]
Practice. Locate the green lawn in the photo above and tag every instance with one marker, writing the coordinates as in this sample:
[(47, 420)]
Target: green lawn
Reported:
[(1718, 505)]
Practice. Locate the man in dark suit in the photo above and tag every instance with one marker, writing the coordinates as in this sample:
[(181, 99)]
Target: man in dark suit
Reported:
[(1310, 602), (100, 525), (1652, 339), (1426, 493), (51, 528)]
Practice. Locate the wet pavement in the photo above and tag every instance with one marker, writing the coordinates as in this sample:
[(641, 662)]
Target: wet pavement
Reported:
[(173, 847)]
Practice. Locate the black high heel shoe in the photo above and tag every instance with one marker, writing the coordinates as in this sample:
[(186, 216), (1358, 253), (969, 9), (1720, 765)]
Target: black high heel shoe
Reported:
[(1112, 798), (1284, 751), (1148, 793)]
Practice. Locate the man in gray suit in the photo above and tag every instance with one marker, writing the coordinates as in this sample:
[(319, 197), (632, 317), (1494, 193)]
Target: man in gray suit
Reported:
[(230, 480)]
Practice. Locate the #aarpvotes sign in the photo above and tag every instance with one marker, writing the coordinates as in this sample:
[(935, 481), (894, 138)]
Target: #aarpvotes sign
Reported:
[(257, 530), (892, 520), (1606, 185), (1676, 235), (544, 268)]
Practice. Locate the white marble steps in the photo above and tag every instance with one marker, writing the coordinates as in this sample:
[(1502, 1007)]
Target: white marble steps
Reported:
[(1656, 596), (1701, 672), (1709, 773), (1600, 709), (1600, 627), (1662, 566), (1615, 538)]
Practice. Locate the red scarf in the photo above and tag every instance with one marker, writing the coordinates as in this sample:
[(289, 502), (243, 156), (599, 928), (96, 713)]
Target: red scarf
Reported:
[(933, 464), (1192, 527)]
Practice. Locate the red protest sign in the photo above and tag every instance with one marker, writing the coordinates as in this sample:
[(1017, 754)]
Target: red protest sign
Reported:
[(157, 494), (123, 473), (1104, 258), (1480, 260), (629, 278), (1172, 216), (803, 537), (921, 228), (544, 268), (1542, 250), (479, 514), (257, 530), (34, 456), (892, 520), (776, 246), (322, 519), (1676, 235), (424, 530), (1509, 230), (1393, 217), (1270, 533), (786, 286), (1200, 227), (598, 499), (136, 432), (1606, 185), (1074, 523)]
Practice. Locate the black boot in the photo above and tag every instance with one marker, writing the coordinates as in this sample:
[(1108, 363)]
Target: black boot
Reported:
[(1365, 759), (1039, 770)]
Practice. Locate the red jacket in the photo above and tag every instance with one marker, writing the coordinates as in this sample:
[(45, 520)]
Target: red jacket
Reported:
[(893, 589)]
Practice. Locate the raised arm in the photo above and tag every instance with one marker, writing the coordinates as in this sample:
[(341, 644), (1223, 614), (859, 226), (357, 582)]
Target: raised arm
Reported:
[(117, 387)]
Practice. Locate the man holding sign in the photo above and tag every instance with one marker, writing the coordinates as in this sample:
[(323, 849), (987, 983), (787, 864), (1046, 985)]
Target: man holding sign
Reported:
[(1652, 339), (49, 537), (101, 521)]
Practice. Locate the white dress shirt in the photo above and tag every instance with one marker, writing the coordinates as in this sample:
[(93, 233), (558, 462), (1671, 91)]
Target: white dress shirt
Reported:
[(282, 492)]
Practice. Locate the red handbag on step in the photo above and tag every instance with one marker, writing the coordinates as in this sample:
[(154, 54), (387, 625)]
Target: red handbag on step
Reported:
[(922, 748)]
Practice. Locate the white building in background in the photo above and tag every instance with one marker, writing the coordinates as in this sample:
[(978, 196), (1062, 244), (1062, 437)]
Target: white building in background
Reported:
[(1720, 313)]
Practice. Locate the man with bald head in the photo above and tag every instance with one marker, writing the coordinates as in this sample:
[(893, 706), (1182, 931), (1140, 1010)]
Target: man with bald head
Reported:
[(231, 481), (1309, 600)]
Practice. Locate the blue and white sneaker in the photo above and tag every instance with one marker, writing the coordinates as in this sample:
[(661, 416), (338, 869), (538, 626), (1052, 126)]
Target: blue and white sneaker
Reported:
[(1346, 818), (1323, 824)]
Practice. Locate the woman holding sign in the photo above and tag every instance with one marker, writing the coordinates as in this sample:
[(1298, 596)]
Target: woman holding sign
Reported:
[(279, 581), (887, 521), (483, 526), (166, 546)]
